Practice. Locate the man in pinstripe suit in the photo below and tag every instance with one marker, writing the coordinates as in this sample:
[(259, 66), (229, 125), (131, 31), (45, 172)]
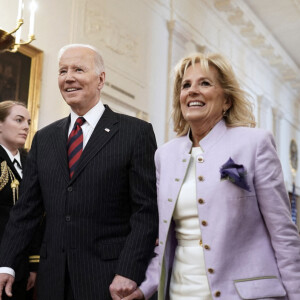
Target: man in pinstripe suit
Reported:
[(101, 224)]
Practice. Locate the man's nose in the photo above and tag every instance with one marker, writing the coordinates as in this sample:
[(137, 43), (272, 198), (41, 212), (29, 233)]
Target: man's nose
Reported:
[(69, 76)]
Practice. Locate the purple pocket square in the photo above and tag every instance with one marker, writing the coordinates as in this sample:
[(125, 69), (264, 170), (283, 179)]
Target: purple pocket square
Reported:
[(234, 173)]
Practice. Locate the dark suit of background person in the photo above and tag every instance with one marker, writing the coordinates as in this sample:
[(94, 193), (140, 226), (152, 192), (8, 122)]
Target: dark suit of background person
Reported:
[(102, 222), (30, 255)]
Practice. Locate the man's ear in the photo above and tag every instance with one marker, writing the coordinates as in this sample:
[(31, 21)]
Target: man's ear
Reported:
[(101, 80)]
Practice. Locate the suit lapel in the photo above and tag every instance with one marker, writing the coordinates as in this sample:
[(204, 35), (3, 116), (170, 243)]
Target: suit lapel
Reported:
[(59, 139), (105, 129)]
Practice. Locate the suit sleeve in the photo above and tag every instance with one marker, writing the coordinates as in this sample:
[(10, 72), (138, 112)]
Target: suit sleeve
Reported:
[(150, 284), (140, 242), (25, 215), (275, 208), (35, 245)]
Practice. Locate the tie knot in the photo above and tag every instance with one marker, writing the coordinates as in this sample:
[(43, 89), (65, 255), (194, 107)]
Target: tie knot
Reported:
[(79, 121), (15, 162)]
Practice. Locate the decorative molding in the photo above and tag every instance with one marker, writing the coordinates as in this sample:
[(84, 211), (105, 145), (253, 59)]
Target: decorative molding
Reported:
[(107, 30), (260, 38)]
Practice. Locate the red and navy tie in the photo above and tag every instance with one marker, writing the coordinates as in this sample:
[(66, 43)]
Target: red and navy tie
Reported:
[(75, 143)]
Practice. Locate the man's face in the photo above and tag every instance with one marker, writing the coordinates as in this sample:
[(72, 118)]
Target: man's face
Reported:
[(78, 81)]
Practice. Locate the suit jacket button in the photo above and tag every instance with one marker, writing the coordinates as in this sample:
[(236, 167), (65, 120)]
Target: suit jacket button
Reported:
[(204, 223), (68, 218), (217, 293), (200, 159), (200, 178), (70, 189), (210, 270)]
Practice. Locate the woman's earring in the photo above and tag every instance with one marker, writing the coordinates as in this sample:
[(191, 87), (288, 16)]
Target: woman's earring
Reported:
[(224, 113)]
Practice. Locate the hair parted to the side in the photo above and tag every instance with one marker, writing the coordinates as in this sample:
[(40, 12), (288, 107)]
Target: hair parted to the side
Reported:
[(99, 63), (239, 114), (6, 106)]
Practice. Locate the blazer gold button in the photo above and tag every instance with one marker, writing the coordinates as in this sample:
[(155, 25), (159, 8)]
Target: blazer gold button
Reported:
[(200, 201), (200, 159), (161, 242), (165, 221), (184, 160), (201, 178), (204, 223), (210, 270), (170, 200), (177, 179), (206, 247), (217, 293)]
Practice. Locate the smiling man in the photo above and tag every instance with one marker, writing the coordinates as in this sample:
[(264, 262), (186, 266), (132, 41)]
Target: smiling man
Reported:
[(93, 173)]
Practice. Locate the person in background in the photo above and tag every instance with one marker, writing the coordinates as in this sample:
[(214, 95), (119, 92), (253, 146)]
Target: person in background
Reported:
[(225, 228), (14, 127), (93, 172)]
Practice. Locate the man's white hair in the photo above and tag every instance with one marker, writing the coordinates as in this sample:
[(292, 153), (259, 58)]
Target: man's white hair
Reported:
[(99, 64)]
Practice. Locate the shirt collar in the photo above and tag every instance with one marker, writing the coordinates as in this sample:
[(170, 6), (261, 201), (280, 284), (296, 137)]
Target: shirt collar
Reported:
[(92, 116), (17, 157)]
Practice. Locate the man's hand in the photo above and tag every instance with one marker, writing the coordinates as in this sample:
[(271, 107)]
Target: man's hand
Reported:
[(6, 281), (31, 281), (121, 287), (137, 294)]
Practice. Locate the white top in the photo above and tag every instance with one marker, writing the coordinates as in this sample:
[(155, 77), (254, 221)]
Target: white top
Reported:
[(189, 278)]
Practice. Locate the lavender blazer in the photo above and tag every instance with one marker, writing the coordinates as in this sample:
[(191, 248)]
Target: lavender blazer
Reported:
[(251, 246)]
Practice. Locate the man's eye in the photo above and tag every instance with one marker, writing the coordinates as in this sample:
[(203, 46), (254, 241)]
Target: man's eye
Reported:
[(79, 70), (61, 72)]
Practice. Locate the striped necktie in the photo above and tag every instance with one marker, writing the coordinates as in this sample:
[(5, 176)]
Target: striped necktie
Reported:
[(75, 143)]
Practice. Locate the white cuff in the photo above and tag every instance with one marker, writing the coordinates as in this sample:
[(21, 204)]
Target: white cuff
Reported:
[(7, 270)]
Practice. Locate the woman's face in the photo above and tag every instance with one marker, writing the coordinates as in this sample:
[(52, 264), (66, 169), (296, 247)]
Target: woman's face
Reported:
[(202, 98), (14, 129)]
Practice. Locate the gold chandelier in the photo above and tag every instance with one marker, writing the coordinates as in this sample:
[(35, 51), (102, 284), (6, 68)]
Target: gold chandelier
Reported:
[(9, 42)]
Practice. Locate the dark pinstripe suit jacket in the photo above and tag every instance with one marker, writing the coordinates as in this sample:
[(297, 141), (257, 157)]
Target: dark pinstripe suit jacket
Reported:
[(100, 223)]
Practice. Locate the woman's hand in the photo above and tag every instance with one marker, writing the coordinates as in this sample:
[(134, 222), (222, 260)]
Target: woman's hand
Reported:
[(31, 281), (137, 294)]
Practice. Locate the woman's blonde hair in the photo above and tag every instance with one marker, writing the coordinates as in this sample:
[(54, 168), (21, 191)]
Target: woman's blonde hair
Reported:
[(6, 106), (239, 114)]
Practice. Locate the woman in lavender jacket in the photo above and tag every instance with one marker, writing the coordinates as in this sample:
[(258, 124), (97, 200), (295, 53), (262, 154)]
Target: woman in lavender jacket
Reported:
[(225, 224)]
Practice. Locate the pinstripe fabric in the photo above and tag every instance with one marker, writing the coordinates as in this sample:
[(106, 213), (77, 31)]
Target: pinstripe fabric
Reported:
[(101, 222)]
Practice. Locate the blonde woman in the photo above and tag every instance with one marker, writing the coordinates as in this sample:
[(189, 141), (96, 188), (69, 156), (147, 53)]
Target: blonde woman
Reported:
[(225, 224)]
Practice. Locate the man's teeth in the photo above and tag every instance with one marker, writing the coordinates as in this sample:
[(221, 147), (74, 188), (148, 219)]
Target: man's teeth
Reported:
[(71, 90), (196, 103)]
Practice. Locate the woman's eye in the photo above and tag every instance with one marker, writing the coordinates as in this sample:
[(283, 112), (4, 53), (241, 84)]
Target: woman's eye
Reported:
[(205, 83), (186, 85), (19, 120)]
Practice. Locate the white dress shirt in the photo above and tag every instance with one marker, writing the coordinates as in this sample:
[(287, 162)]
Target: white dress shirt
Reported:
[(91, 119)]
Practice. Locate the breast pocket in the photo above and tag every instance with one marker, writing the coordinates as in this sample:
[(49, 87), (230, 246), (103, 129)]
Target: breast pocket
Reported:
[(267, 287)]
